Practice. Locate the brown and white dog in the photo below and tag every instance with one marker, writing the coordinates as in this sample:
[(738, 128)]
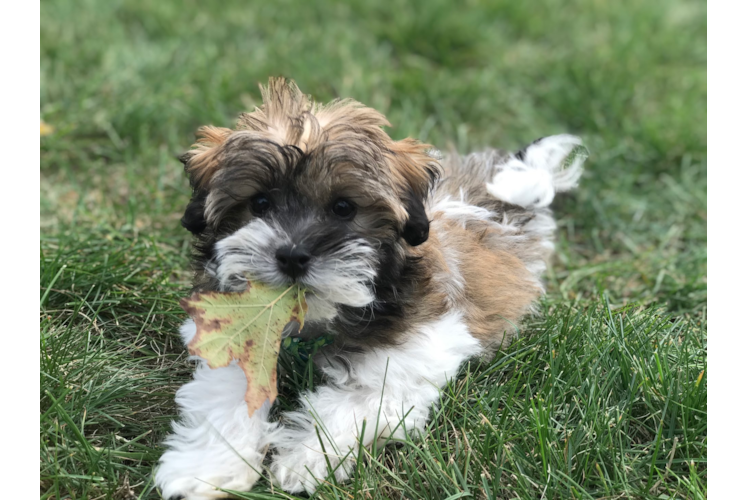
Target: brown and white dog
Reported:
[(415, 263)]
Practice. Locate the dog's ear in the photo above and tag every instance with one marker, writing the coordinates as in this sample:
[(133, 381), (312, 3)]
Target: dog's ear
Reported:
[(201, 163), (416, 166), (204, 159), (416, 229), (193, 219)]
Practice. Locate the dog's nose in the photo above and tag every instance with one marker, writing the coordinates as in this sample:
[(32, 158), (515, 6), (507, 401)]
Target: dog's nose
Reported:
[(293, 260)]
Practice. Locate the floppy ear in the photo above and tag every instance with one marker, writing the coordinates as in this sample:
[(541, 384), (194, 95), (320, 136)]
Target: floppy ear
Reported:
[(201, 163), (416, 229), (193, 219), (204, 159), (417, 168)]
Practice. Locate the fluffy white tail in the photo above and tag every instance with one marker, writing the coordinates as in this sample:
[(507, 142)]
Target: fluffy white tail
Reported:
[(533, 176)]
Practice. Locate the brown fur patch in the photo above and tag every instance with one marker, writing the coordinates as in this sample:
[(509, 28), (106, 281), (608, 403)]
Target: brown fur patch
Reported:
[(497, 290), (340, 146), (412, 166), (287, 117), (204, 159)]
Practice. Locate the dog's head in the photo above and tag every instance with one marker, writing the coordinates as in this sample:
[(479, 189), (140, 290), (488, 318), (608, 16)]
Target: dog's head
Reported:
[(308, 193)]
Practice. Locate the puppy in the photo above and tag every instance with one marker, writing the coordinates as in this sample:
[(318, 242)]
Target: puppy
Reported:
[(415, 263)]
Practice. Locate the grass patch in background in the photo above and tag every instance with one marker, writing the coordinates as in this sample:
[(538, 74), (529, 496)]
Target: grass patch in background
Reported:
[(605, 396)]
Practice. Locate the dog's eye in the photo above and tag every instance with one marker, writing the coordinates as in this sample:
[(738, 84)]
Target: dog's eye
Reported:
[(260, 204), (343, 208)]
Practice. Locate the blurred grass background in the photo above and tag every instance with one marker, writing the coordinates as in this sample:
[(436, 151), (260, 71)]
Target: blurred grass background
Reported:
[(606, 396)]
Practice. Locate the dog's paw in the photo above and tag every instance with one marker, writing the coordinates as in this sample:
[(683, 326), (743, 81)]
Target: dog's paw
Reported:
[(306, 468), (202, 484)]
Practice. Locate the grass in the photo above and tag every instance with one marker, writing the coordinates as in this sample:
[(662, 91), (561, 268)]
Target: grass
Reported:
[(605, 397)]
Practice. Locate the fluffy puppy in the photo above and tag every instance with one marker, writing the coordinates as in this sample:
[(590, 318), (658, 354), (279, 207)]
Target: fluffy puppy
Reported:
[(415, 264)]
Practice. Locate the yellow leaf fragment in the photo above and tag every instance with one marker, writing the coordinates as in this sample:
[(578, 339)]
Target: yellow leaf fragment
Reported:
[(245, 327), (45, 129)]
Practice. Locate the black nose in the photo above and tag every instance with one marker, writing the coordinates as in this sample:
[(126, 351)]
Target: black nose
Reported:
[(293, 260)]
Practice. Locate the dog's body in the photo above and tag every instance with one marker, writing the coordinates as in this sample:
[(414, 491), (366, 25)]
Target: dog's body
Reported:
[(416, 264)]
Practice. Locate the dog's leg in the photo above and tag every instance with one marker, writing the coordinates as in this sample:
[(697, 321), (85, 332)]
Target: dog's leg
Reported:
[(392, 389), (216, 443)]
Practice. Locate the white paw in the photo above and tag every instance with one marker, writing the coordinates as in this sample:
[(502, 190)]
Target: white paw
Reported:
[(307, 467), (200, 483)]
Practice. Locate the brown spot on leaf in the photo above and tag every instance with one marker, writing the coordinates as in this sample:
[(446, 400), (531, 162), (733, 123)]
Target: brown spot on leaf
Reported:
[(240, 326)]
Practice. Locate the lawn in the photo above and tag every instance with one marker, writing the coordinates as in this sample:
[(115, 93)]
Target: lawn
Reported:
[(605, 395)]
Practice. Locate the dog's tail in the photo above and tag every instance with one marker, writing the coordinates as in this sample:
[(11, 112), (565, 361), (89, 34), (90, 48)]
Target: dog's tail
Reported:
[(532, 176)]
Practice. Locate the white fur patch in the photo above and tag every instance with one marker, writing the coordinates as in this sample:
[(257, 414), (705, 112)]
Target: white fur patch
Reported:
[(344, 276), (250, 251), (415, 372), (187, 331), (460, 211), (216, 443), (533, 182), (519, 185), (549, 154)]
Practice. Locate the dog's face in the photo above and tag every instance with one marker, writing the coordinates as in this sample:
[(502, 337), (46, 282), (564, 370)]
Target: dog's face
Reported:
[(299, 192)]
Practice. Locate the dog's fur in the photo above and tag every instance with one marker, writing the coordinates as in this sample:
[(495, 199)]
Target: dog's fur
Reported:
[(438, 264)]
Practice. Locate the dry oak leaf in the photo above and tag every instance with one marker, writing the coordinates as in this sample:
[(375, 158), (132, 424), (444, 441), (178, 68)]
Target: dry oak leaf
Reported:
[(247, 327)]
